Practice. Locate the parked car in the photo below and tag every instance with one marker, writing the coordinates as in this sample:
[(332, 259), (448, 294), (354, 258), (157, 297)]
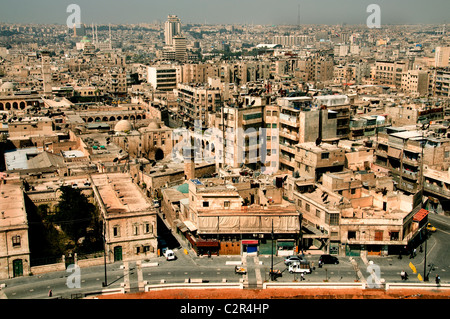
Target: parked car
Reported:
[(169, 254), (328, 259), (290, 259)]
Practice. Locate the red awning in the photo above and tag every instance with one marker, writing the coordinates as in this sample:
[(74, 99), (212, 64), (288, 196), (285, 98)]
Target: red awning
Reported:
[(249, 242), (421, 214)]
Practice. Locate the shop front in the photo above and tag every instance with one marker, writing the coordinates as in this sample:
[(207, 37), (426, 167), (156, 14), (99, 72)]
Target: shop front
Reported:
[(250, 246)]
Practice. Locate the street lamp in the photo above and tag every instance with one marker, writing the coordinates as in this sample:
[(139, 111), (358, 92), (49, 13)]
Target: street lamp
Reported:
[(105, 283)]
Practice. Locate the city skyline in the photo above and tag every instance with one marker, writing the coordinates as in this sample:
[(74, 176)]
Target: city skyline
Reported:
[(263, 12)]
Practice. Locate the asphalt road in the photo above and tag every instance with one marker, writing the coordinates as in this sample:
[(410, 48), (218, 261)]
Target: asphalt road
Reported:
[(217, 268)]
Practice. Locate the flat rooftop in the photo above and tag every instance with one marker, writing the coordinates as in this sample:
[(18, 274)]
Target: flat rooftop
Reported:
[(12, 209), (18, 159), (120, 194)]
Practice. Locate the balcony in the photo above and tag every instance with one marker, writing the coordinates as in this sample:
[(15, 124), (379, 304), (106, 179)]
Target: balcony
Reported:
[(436, 189), (289, 134), (289, 120), (410, 174)]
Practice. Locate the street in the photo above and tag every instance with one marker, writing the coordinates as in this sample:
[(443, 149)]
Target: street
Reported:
[(216, 269)]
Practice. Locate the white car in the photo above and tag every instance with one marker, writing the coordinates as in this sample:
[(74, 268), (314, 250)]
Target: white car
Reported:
[(169, 254)]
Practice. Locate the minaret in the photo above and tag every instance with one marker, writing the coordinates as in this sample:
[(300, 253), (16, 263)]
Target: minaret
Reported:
[(189, 162), (46, 74)]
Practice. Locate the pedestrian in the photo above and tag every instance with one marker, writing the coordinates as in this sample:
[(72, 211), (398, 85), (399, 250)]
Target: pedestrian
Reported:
[(320, 263), (414, 252), (50, 293), (303, 277), (438, 279), (421, 249), (402, 275), (406, 275)]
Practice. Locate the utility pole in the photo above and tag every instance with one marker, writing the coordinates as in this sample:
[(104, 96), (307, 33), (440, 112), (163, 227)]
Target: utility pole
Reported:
[(271, 267), (105, 284)]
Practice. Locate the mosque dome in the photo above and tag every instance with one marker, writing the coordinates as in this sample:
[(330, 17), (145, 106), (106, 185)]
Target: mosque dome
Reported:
[(123, 126), (154, 125)]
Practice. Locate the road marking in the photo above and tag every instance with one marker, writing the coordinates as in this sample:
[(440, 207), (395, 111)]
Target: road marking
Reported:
[(185, 273), (169, 273)]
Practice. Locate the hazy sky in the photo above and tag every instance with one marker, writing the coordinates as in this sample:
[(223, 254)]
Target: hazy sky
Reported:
[(226, 11)]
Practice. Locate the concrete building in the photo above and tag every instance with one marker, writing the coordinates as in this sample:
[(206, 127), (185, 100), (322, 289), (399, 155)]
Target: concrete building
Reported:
[(240, 215), (162, 78), (314, 160), (14, 245), (442, 57), (373, 223), (172, 28), (415, 83), (129, 218), (390, 72)]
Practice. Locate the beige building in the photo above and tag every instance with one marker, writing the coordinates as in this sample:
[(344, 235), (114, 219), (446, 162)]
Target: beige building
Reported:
[(442, 57), (390, 72), (14, 245), (415, 83), (314, 160), (129, 218)]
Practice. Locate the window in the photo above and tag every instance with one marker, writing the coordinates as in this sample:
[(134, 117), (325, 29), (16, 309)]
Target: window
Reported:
[(317, 213), (135, 229), (116, 231), (146, 248), (351, 234), (16, 241), (332, 219), (307, 207), (394, 235), (226, 204), (325, 155), (148, 228), (205, 204), (138, 249), (299, 202), (353, 191)]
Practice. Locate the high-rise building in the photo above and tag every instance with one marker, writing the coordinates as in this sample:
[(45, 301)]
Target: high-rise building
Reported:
[(179, 44), (172, 28), (442, 57)]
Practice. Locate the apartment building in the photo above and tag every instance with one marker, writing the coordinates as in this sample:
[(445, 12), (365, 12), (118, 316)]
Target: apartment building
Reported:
[(162, 78), (400, 153), (245, 140), (415, 83), (312, 159), (368, 221), (440, 82), (290, 124), (442, 57), (389, 73), (340, 106), (241, 215)]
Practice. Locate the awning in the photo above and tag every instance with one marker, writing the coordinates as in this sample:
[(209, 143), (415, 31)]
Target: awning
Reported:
[(249, 242), (421, 214), (285, 244), (393, 152), (190, 225)]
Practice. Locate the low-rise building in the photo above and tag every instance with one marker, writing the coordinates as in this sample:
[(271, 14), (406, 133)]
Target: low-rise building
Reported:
[(130, 220), (14, 245)]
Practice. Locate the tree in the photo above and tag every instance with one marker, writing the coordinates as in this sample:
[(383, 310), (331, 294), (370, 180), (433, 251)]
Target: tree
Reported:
[(75, 213)]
